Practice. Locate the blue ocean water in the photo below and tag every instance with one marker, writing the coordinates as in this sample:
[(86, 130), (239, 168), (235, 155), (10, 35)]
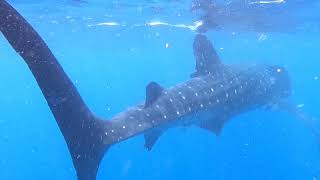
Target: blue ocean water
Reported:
[(111, 53)]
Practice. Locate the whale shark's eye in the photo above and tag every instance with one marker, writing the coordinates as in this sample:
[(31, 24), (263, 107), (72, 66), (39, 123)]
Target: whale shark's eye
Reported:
[(279, 70)]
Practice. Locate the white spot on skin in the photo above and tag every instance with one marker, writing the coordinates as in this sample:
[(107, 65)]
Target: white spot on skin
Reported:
[(165, 117), (227, 95), (235, 91), (106, 133), (112, 130), (123, 127), (140, 125), (221, 85), (201, 105), (196, 94), (148, 114), (183, 97), (218, 100), (212, 90), (189, 108), (178, 113), (278, 70), (157, 106), (179, 92), (171, 100)]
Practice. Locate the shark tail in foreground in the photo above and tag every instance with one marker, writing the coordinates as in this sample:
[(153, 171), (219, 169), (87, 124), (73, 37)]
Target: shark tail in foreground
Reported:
[(83, 132)]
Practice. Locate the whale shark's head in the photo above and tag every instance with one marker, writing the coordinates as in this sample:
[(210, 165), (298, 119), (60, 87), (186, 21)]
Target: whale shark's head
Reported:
[(280, 82)]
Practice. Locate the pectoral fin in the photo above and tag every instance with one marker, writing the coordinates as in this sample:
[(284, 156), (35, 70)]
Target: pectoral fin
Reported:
[(307, 119), (214, 125), (151, 137)]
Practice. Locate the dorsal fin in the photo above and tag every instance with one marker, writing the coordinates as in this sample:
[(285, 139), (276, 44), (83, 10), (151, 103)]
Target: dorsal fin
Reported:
[(153, 91), (207, 59)]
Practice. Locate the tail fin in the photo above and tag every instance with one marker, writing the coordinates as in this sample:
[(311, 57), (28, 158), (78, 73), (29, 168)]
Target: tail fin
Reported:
[(83, 132)]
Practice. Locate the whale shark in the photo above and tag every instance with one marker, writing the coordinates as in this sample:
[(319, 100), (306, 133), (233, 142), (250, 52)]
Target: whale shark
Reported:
[(214, 94)]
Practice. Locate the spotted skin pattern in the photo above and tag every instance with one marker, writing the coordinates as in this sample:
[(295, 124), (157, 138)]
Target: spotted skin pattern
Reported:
[(212, 96)]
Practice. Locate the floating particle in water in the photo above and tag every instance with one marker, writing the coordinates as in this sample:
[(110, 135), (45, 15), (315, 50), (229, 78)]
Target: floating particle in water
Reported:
[(108, 86), (167, 45), (5, 138), (316, 78), (51, 34), (139, 9), (263, 37), (300, 105), (54, 22), (127, 166)]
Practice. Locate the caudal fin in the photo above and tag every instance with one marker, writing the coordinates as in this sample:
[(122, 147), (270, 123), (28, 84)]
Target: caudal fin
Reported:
[(83, 132)]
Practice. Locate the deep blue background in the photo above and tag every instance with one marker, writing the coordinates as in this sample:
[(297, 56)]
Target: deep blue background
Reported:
[(111, 66)]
